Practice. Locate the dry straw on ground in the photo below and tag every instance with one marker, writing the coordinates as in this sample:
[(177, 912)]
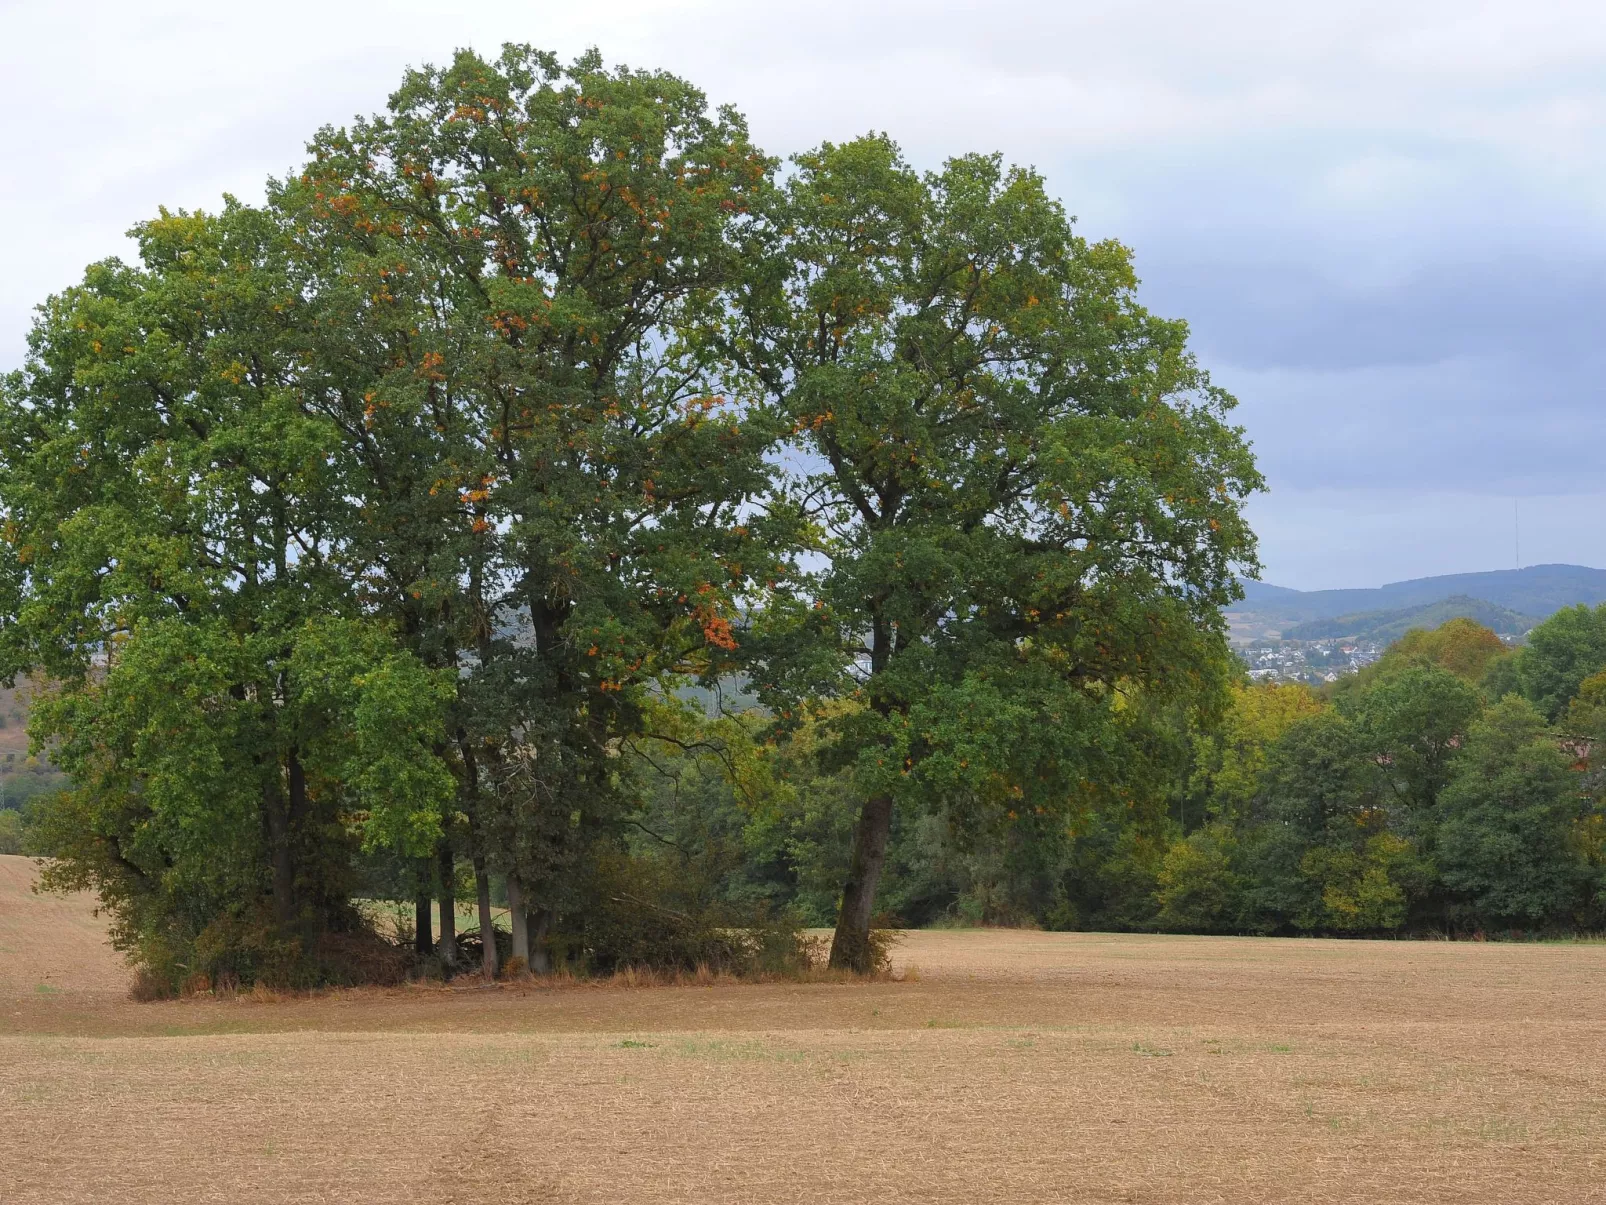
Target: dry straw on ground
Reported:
[(1019, 1067)]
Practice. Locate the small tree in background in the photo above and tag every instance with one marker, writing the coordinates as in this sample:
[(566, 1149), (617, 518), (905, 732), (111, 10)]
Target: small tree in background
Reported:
[(1507, 834), (1461, 646), (1561, 652)]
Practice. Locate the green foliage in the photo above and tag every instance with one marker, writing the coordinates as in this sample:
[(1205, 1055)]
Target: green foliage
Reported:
[(1412, 805), (1229, 758), (1502, 677), (544, 252), (1200, 891), (1320, 791), (1307, 818), (1028, 489), (1410, 722), (1563, 651), (382, 536), (1363, 889), (1460, 646), (1506, 842), (1319, 778), (22, 783), (182, 521), (11, 836), (174, 759), (371, 715)]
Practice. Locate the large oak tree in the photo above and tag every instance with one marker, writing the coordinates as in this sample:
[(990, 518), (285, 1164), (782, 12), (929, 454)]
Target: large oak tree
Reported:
[(1030, 491), (554, 245)]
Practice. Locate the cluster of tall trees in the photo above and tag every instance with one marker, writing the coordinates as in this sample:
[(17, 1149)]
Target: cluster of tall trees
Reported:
[(1456, 786), (401, 528)]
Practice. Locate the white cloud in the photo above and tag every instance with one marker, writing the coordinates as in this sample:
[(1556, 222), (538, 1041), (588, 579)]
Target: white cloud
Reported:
[(1392, 189)]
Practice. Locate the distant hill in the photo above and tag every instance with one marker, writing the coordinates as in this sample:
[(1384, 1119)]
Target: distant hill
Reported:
[(1265, 592), (1535, 590), (1386, 626)]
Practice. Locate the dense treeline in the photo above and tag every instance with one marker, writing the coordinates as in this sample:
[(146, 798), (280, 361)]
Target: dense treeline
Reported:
[(391, 537), (1453, 787)]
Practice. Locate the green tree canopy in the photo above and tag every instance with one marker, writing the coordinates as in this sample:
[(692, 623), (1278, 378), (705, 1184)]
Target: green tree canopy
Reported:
[(1412, 722), (1563, 651), (1029, 489), (447, 410), (181, 526), (1230, 757), (548, 247), (1461, 646), (1506, 838)]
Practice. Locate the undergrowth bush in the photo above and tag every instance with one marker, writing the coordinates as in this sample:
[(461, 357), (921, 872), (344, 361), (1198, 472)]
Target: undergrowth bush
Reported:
[(651, 914), (471, 947), (233, 952)]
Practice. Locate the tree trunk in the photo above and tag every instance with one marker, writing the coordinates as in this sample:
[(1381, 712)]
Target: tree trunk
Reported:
[(540, 956), (850, 948), (448, 898), (302, 859), (423, 939), (520, 921), (277, 814), (296, 777), (482, 881)]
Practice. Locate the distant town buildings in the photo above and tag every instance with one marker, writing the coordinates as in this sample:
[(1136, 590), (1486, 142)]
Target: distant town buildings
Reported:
[(1310, 661)]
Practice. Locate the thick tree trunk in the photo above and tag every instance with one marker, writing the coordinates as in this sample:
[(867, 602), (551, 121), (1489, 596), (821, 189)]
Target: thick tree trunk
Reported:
[(423, 939), (850, 948), (520, 921), (448, 899), (482, 881), (277, 813), (308, 901), (540, 956), (296, 777)]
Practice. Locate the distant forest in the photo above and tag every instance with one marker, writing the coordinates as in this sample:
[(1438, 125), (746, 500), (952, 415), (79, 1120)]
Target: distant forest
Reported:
[(1453, 787), (1388, 626), (1533, 590)]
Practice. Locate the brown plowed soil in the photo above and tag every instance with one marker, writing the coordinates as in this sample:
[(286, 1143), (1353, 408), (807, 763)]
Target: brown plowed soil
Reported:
[(51, 944), (1011, 1067)]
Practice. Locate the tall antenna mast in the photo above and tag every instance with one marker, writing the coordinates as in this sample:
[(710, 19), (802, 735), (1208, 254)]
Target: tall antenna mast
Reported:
[(1516, 535)]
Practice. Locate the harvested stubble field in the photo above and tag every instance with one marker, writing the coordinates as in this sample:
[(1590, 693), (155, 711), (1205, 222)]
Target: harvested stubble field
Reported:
[(1015, 1067)]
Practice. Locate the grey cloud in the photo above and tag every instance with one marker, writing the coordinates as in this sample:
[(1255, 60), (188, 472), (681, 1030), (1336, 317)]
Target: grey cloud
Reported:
[(1384, 220), (1544, 310)]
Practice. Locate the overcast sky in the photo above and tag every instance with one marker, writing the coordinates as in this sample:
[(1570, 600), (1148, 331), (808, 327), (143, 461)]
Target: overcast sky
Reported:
[(1384, 221)]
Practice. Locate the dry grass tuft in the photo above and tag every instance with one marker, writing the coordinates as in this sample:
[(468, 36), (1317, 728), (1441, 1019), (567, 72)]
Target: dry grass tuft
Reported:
[(198, 984), (147, 987)]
